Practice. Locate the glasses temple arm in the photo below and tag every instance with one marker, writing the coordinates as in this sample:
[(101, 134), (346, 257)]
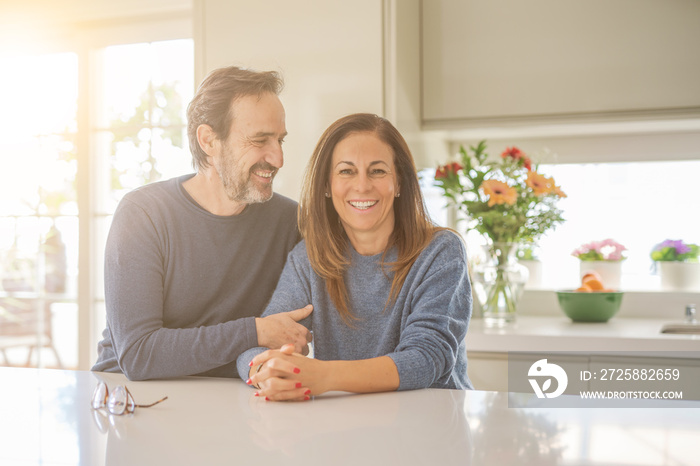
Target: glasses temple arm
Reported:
[(152, 404)]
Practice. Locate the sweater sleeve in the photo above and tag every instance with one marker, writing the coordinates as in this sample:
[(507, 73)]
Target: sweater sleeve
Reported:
[(293, 292), (436, 328), (134, 292)]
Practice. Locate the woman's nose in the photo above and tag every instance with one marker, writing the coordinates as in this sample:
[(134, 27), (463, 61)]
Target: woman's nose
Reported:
[(363, 183)]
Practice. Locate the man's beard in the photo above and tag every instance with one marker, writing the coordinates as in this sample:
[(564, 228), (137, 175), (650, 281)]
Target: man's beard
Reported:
[(239, 186)]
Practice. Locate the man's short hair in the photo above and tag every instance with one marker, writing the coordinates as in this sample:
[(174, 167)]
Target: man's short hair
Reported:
[(212, 103)]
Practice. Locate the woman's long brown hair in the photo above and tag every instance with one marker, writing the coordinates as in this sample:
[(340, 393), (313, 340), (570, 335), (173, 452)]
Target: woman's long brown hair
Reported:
[(326, 241)]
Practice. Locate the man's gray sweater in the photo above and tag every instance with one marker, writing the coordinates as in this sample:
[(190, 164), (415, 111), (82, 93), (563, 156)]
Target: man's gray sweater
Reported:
[(182, 285)]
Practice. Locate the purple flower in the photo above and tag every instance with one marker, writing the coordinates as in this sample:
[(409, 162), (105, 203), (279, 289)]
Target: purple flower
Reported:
[(677, 244)]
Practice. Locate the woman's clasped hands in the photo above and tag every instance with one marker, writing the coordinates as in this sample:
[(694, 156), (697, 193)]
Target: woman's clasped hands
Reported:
[(284, 375)]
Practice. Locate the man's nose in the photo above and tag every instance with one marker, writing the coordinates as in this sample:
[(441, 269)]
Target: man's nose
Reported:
[(275, 156)]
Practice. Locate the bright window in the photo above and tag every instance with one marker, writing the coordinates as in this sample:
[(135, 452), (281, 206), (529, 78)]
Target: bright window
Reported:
[(136, 135), (638, 204), (38, 210)]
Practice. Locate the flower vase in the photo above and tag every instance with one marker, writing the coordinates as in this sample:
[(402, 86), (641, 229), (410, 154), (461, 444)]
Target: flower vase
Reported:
[(610, 272), (498, 284), (679, 276)]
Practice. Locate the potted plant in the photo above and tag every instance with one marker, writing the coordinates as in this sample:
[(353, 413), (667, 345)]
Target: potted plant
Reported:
[(603, 257), (527, 255), (678, 265), (509, 202)]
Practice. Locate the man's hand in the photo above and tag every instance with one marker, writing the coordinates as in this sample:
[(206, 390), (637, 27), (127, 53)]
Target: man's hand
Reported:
[(279, 329)]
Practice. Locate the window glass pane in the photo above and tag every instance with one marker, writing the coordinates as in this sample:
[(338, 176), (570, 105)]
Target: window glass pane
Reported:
[(432, 195), (637, 204), (142, 118), (38, 105), (38, 210)]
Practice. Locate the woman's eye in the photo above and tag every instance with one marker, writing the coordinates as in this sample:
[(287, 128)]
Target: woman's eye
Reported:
[(378, 172), (345, 171)]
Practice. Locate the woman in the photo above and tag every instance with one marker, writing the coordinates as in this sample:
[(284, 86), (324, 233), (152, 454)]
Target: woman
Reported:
[(390, 291)]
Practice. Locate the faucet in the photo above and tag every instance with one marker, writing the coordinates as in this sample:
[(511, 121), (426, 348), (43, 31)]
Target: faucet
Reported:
[(690, 314)]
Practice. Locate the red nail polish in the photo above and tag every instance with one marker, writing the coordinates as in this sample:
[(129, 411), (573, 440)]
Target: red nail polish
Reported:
[(298, 384), (267, 399), (256, 394), (307, 392), (306, 398), (297, 370), (250, 364), (249, 381)]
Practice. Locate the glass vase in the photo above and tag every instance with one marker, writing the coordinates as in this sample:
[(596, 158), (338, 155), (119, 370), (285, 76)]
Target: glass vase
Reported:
[(498, 283)]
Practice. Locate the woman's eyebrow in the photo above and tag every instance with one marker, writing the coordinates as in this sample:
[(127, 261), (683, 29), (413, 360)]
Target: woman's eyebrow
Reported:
[(375, 162)]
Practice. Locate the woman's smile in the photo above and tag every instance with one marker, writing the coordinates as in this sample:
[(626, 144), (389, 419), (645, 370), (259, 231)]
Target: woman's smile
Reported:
[(363, 205)]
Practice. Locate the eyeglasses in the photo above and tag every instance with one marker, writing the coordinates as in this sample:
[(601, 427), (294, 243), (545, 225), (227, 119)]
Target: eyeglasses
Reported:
[(119, 402)]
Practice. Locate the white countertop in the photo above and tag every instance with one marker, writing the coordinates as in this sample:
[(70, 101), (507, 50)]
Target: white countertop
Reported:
[(46, 418), (558, 333)]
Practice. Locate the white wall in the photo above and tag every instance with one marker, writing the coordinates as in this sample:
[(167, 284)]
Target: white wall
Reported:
[(329, 52)]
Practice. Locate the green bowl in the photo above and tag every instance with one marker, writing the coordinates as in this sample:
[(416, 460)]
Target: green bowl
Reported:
[(596, 306)]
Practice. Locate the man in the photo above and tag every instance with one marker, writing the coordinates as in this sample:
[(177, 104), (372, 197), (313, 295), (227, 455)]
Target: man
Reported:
[(191, 262)]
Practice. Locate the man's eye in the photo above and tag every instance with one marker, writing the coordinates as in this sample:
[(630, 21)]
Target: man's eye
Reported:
[(280, 141), (259, 142)]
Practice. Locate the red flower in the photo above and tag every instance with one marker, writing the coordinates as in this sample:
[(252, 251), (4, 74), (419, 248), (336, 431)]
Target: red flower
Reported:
[(513, 152), (444, 171), (517, 154)]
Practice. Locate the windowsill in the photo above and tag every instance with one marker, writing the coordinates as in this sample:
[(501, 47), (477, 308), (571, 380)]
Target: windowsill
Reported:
[(559, 334), (646, 304)]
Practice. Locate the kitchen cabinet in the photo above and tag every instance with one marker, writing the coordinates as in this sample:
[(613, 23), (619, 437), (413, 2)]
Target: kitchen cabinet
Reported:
[(626, 343), (497, 61), (688, 373), (493, 369), (490, 371)]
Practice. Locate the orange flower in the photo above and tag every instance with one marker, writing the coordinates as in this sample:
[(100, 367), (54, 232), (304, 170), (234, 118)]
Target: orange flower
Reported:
[(557, 190), (499, 192), (539, 184)]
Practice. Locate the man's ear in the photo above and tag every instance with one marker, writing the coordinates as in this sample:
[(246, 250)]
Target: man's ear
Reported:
[(206, 137)]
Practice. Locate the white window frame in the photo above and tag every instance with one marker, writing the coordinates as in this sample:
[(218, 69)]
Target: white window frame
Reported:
[(85, 38)]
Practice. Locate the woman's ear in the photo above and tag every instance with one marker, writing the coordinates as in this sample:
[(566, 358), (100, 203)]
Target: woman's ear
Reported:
[(208, 142)]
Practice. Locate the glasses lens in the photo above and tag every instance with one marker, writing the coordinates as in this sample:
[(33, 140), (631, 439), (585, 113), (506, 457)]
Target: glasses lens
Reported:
[(116, 404), (99, 397)]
